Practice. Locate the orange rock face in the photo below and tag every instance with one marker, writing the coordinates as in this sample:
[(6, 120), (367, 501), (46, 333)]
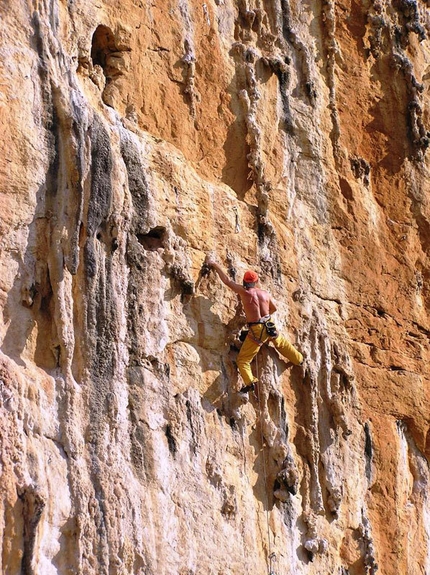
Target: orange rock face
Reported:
[(287, 137)]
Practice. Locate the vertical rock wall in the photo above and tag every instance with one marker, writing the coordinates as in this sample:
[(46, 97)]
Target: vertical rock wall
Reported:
[(289, 137)]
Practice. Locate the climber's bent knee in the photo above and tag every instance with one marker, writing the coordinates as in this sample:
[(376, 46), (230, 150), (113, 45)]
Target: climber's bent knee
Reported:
[(286, 349)]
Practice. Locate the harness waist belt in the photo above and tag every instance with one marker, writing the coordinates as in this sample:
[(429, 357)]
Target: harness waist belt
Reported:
[(261, 320)]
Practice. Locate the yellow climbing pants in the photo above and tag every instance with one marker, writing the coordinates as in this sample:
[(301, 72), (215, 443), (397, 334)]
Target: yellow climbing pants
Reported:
[(251, 346)]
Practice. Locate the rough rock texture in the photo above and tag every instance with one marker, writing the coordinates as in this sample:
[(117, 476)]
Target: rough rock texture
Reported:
[(290, 137)]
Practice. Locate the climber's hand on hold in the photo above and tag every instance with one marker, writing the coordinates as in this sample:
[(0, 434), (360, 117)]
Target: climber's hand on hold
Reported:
[(207, 265), (209, 261)]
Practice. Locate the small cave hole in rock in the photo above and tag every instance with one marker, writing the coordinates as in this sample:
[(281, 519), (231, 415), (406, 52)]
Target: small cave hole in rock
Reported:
[(103, 43), (154, 239), (102, 232)]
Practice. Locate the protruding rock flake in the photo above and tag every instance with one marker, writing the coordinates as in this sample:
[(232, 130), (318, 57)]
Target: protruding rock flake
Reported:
[(143, 144)]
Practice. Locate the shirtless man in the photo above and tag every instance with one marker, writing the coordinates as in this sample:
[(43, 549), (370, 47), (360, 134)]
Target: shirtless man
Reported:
[(258, 305)]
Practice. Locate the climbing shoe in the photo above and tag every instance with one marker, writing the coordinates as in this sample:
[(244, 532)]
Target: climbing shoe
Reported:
[(247, 388)]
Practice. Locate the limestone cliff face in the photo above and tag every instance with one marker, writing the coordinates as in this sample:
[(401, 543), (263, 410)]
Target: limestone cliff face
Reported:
[(287, 137)]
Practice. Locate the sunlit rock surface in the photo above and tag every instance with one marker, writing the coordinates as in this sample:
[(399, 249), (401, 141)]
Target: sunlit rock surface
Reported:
[(287, 137)]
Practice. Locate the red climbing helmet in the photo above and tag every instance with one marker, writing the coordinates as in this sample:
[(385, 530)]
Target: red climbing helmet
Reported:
[(250, 277)]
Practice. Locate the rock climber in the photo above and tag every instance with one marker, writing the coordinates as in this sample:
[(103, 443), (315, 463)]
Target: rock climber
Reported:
[(258, 305)]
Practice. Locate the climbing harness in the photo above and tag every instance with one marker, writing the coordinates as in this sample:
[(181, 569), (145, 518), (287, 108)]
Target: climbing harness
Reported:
[(266, 324), (254, 338), (271, 555)]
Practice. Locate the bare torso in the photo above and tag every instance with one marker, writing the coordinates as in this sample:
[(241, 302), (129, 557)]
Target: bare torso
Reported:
[(256, 303)]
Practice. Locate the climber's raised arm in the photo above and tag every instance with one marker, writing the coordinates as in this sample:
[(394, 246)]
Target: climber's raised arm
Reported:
[(237, 288)]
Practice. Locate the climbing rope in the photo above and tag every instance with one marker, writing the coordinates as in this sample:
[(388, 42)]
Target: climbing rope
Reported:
[(271, 555)]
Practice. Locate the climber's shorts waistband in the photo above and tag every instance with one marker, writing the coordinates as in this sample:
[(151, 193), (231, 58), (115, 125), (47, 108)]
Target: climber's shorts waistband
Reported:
[(261, 320)]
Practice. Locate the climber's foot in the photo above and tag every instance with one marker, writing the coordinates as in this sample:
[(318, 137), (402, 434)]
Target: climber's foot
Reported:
[(247, 388), (250, 387)]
